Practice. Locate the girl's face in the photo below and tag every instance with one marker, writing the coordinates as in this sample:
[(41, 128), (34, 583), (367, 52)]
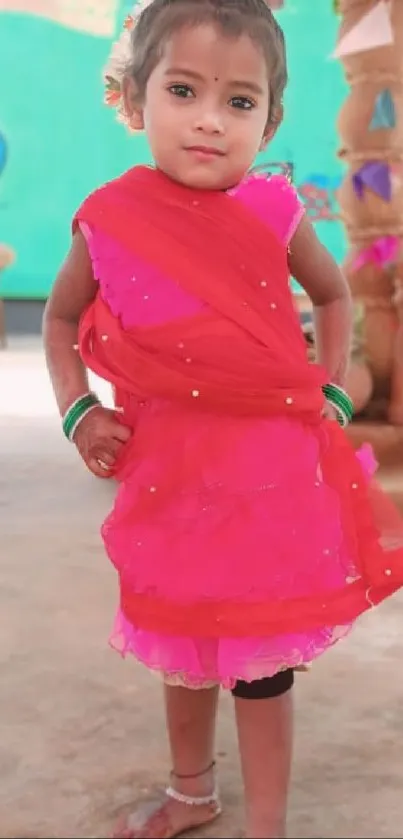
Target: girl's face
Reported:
[(206, 108)]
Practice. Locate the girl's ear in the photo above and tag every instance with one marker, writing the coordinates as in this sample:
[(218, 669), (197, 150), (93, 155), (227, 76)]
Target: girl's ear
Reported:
[(268, 135), (132, 109), (276, 118)]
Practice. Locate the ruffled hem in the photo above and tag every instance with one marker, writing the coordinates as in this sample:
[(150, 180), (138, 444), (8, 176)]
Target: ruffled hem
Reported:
[(199, 663)]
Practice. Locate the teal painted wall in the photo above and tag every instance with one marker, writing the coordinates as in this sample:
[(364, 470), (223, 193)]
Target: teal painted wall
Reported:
[(62, 142)]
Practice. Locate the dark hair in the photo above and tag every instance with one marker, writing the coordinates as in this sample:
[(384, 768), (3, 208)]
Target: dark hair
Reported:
[(234, 18)]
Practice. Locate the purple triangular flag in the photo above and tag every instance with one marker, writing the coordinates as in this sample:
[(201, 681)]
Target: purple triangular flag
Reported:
[(373, 175)]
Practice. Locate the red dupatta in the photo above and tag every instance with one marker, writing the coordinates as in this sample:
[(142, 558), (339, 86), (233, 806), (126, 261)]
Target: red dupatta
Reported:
[(248, 358), (248, 352)]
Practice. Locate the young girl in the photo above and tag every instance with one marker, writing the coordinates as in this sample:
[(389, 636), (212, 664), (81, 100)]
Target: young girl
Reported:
[(246, 534)]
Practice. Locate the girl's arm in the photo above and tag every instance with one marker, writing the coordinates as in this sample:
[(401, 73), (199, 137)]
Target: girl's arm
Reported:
[(74, 289), (318, 274), (99, 437)]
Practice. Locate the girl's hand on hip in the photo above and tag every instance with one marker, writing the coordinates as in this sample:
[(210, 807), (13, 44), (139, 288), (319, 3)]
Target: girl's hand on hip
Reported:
[(99, 439)]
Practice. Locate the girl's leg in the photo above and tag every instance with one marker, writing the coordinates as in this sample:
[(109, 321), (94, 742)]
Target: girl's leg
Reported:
[(191, 720), (191, 716), (264, 717)]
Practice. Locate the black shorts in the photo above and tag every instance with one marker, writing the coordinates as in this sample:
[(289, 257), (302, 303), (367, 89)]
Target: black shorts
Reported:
[(265, 688)]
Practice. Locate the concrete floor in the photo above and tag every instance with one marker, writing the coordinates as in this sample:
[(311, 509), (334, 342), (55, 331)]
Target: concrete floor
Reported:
[(82, 733)]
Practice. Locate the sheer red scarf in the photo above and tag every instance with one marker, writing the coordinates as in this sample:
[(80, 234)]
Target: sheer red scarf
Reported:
[(248, 352), (248, 357)]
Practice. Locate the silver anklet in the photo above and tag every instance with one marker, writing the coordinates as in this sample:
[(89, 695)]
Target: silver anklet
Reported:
[(190, 801)]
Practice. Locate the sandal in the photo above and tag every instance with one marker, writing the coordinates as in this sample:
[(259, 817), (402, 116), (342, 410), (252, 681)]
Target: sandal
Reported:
[(157, 820)]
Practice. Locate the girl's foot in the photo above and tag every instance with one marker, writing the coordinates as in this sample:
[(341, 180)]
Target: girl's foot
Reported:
[(191, 801), (167, 818)]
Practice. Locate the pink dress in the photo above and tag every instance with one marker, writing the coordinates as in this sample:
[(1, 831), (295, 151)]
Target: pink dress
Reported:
[(212, 543)]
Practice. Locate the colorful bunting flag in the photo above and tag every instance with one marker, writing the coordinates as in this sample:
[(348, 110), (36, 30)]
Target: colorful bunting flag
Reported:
[(383, 252), (373, 30), (384, 115), (375, 176)]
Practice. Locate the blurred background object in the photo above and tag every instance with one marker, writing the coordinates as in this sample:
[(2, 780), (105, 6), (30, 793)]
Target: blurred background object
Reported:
[(370, 123)]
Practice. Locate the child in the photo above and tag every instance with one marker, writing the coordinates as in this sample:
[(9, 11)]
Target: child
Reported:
[(246, 533)]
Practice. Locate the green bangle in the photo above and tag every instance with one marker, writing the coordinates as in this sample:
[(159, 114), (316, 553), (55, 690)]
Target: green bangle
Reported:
[(339, 399), (341, 417), (345, 407), (340, 396), (76, 413)]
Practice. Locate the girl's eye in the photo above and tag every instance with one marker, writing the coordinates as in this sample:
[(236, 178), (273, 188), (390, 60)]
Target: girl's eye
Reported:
[(242, 102), (182, 90)]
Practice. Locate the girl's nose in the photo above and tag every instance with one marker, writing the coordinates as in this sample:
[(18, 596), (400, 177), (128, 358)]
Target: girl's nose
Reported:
[(210, 121)]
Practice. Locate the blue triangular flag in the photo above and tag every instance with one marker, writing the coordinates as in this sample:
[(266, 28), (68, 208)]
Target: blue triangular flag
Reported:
[(384, 115)]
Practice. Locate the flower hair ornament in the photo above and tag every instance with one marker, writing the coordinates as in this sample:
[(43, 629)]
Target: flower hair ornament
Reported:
[(118, 61), (120, 57)]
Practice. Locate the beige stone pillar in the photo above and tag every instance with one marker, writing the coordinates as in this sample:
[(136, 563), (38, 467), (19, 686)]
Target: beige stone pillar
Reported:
[(377, 289)]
